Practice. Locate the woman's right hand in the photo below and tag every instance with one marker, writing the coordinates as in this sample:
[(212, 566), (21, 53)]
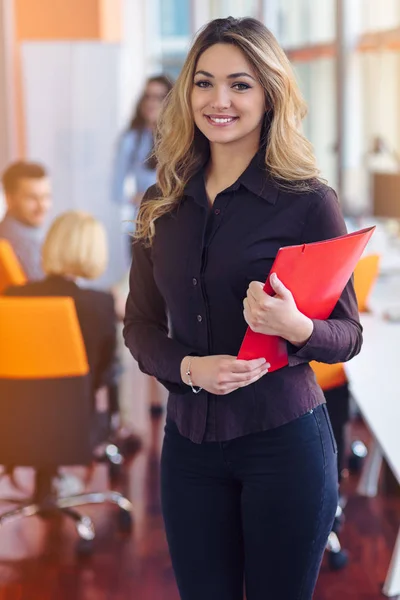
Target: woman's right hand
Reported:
[(222, 374)]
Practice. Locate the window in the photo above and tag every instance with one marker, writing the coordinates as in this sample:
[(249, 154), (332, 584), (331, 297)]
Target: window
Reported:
[(235, 8), (175, 33)]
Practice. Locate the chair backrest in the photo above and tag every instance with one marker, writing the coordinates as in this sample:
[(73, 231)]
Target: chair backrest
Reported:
[(329, 376), (365, 275), (11, 272), (45, 392)]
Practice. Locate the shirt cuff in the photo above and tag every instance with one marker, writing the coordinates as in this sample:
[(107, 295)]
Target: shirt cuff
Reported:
[(310, 350), (174, 383)]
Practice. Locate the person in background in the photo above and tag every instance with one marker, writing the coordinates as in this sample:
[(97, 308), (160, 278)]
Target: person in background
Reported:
[(76, 248), (249, 482), (134, 171), (134, 164), (27, 192)]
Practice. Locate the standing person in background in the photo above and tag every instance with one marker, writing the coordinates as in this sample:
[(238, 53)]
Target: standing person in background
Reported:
[(27, 192), (249, 481), (135, 170), (135, 165)]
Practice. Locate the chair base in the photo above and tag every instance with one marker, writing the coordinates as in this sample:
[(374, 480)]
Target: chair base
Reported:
[(337, 557), (45, 503)]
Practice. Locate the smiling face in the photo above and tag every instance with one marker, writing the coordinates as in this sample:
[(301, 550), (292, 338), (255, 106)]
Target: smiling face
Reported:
[(30, 201), (228, 101)]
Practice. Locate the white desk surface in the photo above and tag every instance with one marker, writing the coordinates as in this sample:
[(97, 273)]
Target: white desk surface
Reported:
[(374, 377)]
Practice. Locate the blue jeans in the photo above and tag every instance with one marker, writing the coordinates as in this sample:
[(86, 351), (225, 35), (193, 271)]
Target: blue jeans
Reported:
[(254, 512)]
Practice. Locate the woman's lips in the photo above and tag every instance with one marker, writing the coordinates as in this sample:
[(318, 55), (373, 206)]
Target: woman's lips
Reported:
[(219, 121)]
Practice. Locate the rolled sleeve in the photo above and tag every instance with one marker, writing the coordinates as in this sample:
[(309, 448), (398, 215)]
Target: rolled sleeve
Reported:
[(338, 338)]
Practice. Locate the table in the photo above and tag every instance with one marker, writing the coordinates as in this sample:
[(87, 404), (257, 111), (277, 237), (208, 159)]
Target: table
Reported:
[(374, 377)]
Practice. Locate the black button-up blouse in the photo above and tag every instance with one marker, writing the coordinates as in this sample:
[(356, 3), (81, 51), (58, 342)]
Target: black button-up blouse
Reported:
[(187, 290)]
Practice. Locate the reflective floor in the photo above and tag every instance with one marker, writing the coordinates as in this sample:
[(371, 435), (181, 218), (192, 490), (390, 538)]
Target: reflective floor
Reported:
[(38, 559)]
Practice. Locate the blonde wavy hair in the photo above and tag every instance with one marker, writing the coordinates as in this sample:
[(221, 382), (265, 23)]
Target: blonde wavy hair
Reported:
[(180, 146), (75, 245)]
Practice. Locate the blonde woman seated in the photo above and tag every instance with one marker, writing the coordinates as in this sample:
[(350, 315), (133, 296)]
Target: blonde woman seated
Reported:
[(76, 247)]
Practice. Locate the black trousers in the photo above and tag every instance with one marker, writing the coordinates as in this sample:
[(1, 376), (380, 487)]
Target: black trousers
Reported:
[(255, 511)]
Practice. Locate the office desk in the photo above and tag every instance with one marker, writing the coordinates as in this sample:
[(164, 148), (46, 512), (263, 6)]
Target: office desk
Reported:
[(374, 377), (390, 263)]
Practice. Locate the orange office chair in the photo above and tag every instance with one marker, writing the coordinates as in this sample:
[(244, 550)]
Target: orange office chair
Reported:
[(11, 272), (365, 275), (46, 407)]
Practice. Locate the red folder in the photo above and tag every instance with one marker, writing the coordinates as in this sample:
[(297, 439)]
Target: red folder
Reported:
[(316, 274)]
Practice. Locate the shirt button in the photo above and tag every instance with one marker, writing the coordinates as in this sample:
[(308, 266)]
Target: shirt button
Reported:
[(194, 281), (199, 318), (217, 211)]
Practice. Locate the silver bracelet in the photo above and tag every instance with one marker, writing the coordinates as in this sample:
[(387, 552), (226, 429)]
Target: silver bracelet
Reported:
[(195, 389)]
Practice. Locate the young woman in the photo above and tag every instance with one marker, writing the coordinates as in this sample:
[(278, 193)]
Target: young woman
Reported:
[(249, 474), (134, 157)]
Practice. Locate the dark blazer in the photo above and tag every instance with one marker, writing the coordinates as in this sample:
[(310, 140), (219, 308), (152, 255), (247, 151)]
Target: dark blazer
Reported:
[(97, 318)]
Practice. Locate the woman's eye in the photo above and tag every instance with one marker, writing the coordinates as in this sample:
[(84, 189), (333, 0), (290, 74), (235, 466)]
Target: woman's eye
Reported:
[(241, 86), (202, 84)]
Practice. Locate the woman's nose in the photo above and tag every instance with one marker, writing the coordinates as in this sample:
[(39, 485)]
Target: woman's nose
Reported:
[(220, 99)]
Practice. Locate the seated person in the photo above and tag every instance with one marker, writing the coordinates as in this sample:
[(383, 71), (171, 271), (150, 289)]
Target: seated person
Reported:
[(27, 194), (76, 247)]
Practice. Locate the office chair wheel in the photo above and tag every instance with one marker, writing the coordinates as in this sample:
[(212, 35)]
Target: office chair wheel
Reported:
[(115, 461), (125, 521), (338, 560), (84, 547), (339, 519), (358, 454)]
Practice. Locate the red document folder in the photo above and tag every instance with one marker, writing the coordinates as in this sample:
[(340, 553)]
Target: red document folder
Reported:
[(316, 274)]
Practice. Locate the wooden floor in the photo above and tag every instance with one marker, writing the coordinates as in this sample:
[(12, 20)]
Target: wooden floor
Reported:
[(38, 561)]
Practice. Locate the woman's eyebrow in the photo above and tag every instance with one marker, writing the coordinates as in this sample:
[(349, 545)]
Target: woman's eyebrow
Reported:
[(231, 76)]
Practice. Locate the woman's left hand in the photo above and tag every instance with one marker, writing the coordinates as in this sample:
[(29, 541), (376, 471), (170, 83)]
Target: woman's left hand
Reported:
[(276, 315)]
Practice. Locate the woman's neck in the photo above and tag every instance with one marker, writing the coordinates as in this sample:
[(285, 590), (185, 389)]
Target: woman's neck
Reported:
[(227, 162)]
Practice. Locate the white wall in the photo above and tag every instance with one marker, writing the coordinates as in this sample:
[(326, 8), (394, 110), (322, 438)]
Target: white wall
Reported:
[(72, 110), (8, 145), (132, 66)]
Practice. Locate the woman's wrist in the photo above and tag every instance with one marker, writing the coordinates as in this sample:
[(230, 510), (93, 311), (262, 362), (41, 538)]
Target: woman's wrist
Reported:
[(187, 366), (187, 373), (302, 332), (184, 364)]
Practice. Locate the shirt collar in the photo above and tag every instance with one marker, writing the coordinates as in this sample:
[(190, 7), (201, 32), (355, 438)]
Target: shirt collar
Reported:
[(255, 178)]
